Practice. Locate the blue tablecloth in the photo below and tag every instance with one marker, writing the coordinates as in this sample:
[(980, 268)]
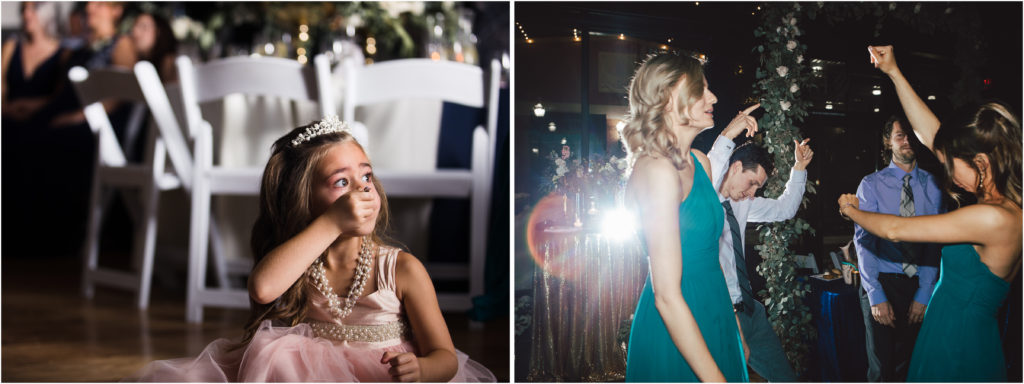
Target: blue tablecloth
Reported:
[(839, 353)]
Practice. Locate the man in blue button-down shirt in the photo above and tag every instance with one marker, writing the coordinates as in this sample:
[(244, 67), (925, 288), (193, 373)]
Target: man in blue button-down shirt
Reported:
[(898, 278)]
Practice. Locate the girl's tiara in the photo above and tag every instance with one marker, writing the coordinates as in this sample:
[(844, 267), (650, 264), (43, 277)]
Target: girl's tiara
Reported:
[(329, 124)]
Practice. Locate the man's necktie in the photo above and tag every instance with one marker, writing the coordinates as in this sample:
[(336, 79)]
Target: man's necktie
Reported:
[(741, 262), (907, 210)]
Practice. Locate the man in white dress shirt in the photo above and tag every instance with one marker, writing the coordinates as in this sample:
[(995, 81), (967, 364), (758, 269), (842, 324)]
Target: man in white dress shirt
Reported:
[(737, 175)]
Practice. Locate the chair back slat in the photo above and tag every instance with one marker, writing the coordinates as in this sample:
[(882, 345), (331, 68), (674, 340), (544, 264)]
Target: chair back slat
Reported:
[(270, 76), (417, 78), (106, 83), (254, 76)]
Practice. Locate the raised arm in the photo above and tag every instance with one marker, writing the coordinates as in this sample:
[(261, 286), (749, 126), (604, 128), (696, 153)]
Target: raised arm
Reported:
[(286, 263), (658, 189), (924, 122), (764, 210)]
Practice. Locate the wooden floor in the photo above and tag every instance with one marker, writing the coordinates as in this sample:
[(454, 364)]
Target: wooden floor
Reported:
[(51, 333)]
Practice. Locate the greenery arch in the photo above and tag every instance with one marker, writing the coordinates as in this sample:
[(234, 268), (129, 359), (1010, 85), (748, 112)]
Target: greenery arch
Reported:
[(781, 78)]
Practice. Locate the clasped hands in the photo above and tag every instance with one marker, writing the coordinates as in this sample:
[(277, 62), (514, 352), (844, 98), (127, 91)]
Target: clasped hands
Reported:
[(883, 313)]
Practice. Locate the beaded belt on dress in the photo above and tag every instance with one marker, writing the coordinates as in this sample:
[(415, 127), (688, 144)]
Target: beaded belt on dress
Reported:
[(360, 333)]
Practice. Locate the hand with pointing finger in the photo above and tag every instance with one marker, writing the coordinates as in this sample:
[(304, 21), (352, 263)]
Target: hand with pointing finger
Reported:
[(803, 154), (742, 122)]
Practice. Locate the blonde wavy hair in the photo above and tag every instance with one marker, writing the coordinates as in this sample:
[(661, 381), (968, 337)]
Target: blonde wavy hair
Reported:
[(650, 91)]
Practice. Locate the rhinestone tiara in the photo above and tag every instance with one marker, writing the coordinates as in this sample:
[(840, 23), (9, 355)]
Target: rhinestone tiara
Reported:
[(329, 124)]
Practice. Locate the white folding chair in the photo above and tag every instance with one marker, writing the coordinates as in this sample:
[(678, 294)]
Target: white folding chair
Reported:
[(113, 170), (450, 82), (201, 83)]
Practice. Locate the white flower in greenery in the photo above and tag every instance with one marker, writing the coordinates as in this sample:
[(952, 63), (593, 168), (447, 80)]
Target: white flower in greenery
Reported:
[(180, 27), (799, 59), (796, 6), (892, 6), (792, 21), (791, 45), (782, 70), (917, 8), (785, 105), (396, 8), (793, 88), (195, 28)]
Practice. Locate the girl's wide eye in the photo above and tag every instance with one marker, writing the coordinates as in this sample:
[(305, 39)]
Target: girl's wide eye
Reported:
[(341, 183), (366, 178)]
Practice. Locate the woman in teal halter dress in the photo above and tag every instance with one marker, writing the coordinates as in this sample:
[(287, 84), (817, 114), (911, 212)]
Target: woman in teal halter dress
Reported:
[(684, 328), (980, 148), (652, 356)]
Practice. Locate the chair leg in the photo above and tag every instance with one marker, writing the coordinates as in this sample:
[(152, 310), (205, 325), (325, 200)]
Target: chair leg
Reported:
[(92, 237), (479, 202), (145, 242), (220, 264), (198, 242)]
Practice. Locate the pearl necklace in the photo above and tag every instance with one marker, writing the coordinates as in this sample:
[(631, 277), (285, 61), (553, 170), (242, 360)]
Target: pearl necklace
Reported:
[(323, 285)]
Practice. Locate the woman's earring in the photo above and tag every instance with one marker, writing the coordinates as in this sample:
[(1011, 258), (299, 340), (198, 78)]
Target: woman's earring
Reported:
[(981, 182)]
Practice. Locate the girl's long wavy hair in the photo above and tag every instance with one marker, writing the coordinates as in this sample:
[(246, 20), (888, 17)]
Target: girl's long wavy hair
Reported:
[(989, 129), (649, 94), (285, 210)]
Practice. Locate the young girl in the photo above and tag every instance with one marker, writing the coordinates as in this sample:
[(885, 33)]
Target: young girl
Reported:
[(330, 301)]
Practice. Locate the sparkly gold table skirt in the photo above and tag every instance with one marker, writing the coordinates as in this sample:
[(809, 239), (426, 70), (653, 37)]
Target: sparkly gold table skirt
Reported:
[(584, 287)]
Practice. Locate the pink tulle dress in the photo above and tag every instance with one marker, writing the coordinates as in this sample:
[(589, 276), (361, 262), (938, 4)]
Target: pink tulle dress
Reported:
[(321, 349)]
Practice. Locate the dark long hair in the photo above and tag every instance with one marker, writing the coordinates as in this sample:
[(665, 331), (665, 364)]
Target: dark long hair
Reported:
[(164, 45), (285, 210), (990, 129)]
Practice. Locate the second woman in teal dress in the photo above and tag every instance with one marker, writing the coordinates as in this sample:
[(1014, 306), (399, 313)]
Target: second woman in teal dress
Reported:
[(980, 148), (684, 328)]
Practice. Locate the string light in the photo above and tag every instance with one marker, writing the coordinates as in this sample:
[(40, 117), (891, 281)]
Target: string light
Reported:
[(538, 110), (622, 36), (371, 45), (576, 35), (523, 31)]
